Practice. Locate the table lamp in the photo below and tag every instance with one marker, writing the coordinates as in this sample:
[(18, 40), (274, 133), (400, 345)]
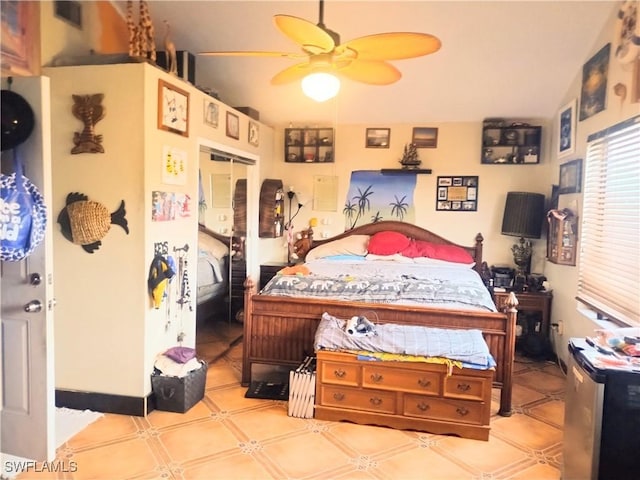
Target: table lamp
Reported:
[(523, 217)]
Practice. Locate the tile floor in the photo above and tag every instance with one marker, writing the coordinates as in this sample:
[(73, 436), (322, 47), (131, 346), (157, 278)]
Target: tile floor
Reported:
[(227, 436)]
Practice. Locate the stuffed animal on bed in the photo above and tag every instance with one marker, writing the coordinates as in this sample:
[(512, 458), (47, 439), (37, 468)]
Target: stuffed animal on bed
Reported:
[(360, 326), (302, 245)]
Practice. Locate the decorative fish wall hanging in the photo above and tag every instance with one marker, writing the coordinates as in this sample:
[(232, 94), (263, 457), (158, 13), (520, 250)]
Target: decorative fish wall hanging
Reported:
[(85, 222)]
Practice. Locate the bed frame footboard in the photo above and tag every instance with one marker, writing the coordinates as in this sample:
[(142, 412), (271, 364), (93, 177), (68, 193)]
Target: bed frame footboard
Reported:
[(281, 330)]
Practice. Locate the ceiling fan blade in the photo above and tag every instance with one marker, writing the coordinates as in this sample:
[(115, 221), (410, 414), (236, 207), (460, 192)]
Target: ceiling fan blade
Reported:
[(391, 46), (253, 54), (291, 74), (309, 36), (373, 72)]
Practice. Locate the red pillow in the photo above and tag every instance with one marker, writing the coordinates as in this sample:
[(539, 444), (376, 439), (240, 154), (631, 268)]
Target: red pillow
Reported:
[(387, 243), (451, 253)]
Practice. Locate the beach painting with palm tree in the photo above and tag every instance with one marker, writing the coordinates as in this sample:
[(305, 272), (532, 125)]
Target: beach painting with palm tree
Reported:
[(373, 196)]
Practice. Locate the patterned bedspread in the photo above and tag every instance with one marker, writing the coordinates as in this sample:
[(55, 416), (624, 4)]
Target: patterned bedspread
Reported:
[(466, 346), (461, 289)]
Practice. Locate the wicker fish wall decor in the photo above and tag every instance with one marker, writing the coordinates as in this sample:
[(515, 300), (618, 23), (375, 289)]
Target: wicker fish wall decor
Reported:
[(85, 222)]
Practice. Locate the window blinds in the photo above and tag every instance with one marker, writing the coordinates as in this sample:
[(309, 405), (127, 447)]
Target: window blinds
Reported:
[(609, 271)]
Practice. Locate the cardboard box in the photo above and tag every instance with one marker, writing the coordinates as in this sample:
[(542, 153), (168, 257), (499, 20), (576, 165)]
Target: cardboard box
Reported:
[(250, 112)]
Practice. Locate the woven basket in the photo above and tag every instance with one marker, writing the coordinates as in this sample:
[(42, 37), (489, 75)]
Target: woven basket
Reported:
[(90, 221), (179, 394)]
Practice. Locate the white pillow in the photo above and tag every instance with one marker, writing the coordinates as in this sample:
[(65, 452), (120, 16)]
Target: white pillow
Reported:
[(396, 257), (351, 245), (212, 245)]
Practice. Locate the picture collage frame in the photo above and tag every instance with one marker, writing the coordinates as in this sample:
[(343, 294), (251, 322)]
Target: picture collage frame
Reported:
[(457, 193)]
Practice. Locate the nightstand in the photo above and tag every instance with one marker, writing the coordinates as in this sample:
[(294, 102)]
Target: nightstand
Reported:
[(269, 270), (534, 316)]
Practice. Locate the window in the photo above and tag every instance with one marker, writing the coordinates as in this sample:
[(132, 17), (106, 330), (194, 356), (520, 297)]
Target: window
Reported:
[(609, 272)]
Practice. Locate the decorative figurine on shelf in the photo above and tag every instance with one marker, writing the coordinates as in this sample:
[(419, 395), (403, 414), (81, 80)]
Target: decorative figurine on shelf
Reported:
[(170, 48), (141, 36), (89, 110), (410, 157)]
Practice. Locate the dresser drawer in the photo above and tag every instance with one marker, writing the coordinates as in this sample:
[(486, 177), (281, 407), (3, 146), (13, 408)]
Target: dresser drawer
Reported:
[(525, 302), (357, 399), (466, 387), (340, 373), (427, 383), (446, 410)]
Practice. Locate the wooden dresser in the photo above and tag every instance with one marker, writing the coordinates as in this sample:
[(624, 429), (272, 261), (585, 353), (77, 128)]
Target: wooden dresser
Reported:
[(404, 395)]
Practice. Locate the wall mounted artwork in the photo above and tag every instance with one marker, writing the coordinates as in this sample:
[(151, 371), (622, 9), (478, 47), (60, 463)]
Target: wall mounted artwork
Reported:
[(593, 95), (174, 166), (173, 109), (457, 193), (168, 206), (373, 196), (89, 110)]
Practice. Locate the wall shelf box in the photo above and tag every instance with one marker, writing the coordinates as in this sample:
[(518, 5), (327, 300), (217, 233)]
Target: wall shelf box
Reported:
[(271, 221), (562, 237), (511, 143), (308, 145)]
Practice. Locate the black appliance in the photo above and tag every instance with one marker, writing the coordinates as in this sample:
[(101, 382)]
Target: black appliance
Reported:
[(602, 417), (502, 276)]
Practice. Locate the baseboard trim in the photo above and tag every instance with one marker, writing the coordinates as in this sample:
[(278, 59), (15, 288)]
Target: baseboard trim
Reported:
[(105, 403)]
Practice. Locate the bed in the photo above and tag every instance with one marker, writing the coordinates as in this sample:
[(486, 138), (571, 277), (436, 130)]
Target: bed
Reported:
[(213, 274), (280, 329)]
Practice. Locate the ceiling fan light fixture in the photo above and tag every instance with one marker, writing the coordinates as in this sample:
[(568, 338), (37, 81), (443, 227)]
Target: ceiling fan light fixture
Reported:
[(320, 86)]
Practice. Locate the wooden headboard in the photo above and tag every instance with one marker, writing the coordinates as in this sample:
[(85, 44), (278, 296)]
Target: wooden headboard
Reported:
[(412, 231)]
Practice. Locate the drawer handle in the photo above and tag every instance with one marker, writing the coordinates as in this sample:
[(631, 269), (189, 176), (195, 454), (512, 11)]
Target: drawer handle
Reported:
[(462, 411), (424, 383), (376, 377), (338, 396), (375, 401), (423, 406), (339, 373), (464, 387)]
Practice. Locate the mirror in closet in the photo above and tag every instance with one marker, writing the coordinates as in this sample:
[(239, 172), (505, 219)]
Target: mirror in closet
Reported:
[(221, 236)]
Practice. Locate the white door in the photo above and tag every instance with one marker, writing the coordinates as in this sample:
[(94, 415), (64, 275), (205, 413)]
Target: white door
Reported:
[(27, 419)]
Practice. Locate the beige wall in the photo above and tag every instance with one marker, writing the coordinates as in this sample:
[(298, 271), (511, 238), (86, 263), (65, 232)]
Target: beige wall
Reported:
[(565, 278), (458, 153), (107, 332)]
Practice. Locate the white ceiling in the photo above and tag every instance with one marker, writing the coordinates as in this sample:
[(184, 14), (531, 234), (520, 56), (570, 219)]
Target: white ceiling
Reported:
[(498, 59)]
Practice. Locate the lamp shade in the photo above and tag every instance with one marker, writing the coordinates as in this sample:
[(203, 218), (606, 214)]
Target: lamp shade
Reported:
[(523, 214)]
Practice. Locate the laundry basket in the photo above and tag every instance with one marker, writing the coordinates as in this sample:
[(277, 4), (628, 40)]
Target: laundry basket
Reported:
[(179, 394)]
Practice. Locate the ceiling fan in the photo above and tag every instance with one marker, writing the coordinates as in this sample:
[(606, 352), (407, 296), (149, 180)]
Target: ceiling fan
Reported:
[(363, 59)]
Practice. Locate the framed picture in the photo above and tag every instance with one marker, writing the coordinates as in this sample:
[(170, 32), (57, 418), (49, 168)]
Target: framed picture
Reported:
[(254, 133), (457, 193), (425, 137), (233, 125), (173, 109), (593, 94), (567, 129), (378, 137), (570, 177), (20, 47), (211, 113)]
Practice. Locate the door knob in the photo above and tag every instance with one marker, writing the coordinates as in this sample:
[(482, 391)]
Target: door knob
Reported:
[(34, 306), (35, 279)]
